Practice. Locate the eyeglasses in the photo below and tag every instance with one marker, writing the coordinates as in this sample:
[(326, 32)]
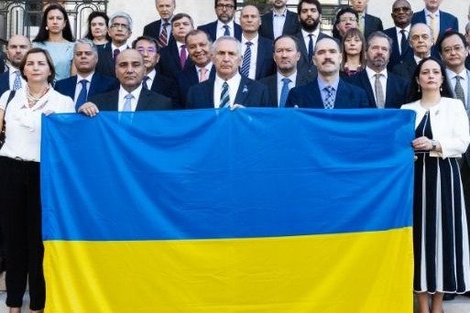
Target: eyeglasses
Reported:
[(448, 50), (117, 25), (402, 9), (348, 19), (225, 6), (148, 50)]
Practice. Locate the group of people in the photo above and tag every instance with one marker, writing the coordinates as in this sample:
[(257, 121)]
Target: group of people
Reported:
[(280, 59)]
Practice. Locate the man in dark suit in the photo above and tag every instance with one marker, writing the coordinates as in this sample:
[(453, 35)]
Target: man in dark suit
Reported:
[(16, 49), (438, 20), (309, 12), (286, 55), (383, 88), (256, 50), (119, 29), (228, 89), (147, 47), (199, 47), (421, 43), (367, 23), (225, 24), (279, 22), (130, 96), (87, 82), (401, 50), (2, 62), (161, 29), (174, 57), (328, 90)]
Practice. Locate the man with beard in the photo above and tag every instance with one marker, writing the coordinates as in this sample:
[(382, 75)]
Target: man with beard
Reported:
[(309, 12), (328, 90), (225, 24), (383, 89), (279, 22)]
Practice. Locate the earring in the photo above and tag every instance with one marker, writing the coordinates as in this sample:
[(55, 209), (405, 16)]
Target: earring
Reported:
[(440, 89), (47, 28), (419, 88)]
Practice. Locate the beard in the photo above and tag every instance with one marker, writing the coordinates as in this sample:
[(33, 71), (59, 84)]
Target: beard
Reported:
[(310, 27)]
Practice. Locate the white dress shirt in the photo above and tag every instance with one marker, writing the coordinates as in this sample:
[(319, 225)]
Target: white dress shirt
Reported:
[(78, 87), (221, 29), (233, 84), (123, 93), (279, 19), (306, 37), (383, 80), (463, 81), (254, 55), (407, 33), (280, 83), (12, 77)]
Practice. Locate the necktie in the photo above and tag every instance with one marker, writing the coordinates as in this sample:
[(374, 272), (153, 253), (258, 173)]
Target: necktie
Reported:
[(163, 38), (432, 19), (115, 53), (202, 74), (459, 90), (183, 56), (127, 104), (284, 92), (82, 96), (246, 60), (361, 22), (224, 96), (310, 48), (17, 81), (402, 41), (227, 30), (330, 99), (379, 92), (144, 83)]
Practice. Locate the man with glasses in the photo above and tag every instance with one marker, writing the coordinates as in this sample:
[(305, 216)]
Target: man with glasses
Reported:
[(367, 23), (401, 50), (119, 29), (225, 24), (161, 29)]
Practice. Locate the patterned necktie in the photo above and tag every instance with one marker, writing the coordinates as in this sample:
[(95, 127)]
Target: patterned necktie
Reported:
[(224, 96), (459, 93), (183, 56), (127, 104), (433, 25), (144, 83), (227, 30), (379, 92), (163, 38), (245, 71), (284, 92), (202, 74), (361, 22), (115, 53), (17, 81), (82, 96), (329, 99), (310, 48), (402, 41)]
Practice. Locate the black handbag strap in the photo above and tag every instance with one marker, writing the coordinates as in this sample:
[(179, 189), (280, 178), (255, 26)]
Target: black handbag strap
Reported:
[(10, 96)]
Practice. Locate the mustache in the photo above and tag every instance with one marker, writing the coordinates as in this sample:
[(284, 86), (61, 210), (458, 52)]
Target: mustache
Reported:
[(328, 61)]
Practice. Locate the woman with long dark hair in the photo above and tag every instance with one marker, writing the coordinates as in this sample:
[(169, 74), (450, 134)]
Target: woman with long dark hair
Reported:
[(440, 235), (98, 29)]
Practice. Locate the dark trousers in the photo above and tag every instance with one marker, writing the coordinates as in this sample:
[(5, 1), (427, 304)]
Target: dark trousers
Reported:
[(21, 223)]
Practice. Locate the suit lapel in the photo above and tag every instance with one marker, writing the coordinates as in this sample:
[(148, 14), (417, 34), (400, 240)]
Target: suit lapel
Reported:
[(243, 90), (142, 102), (368, 87), (303, 48), (269, 22)]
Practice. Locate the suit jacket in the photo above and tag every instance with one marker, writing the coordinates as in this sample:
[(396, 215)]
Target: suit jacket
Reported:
[(371, 24), (105, 65), (169, 64), (211, 29), (250, 94), (291, 25), (187, 78), (265, 65), (271, 82), (153, 30), (405, 69), (166, 86), (98, 84), (4, 82), (2, 62), (395, 56), (446, 21), (397, 89), (308, 96), (467, 62), (148, 101), (304, 63)]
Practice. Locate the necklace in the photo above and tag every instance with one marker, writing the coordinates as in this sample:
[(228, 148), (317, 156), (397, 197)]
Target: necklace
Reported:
[(32, 100)]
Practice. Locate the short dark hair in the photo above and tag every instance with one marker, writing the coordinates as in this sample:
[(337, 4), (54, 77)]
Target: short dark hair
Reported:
[(341, 12), (51, 77), (448, 34), (179, 16), (234, 3), (314, 2), (195, 32), (146, 38)]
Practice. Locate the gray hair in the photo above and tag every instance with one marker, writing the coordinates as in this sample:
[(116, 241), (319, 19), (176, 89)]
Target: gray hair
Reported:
[(123, 15), (85, 41), (226, 38)]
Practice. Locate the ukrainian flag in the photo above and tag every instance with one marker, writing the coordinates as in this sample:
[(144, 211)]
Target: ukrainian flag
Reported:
[(214, 211)]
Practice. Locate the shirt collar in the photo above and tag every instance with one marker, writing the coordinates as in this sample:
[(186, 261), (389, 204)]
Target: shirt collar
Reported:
[(88, 78), (370, 73), (322, 84)]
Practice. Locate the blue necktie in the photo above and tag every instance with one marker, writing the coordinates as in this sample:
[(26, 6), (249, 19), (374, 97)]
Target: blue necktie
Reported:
[(284, 92), (246, 60), (82, 96), (224, 96), (127, 104), (227, 30), (17, 81), (330, 99), (310, 48)]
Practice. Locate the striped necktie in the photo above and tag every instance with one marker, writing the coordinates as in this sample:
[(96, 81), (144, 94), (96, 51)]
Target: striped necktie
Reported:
[(224, 96), (245, 71), (163, 38)]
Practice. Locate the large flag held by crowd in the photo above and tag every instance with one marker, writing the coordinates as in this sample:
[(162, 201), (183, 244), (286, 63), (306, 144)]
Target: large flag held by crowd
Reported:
[(251, 210)]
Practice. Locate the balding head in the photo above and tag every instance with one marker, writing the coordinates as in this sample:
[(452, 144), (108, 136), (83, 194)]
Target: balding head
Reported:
[(130, 69)]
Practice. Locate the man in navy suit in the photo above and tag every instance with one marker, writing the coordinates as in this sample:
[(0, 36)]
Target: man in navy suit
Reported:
[(16, 49), (286, 55), (87, 82), (225, 24), (199, 47), (256, 50), (161, 29), (279, 22), (438, 20), (174, 57), (228, 89), (328, 91), (367, 23), (401, 50), (131, 96), (147, 47), (383, 88), (309, 12)]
